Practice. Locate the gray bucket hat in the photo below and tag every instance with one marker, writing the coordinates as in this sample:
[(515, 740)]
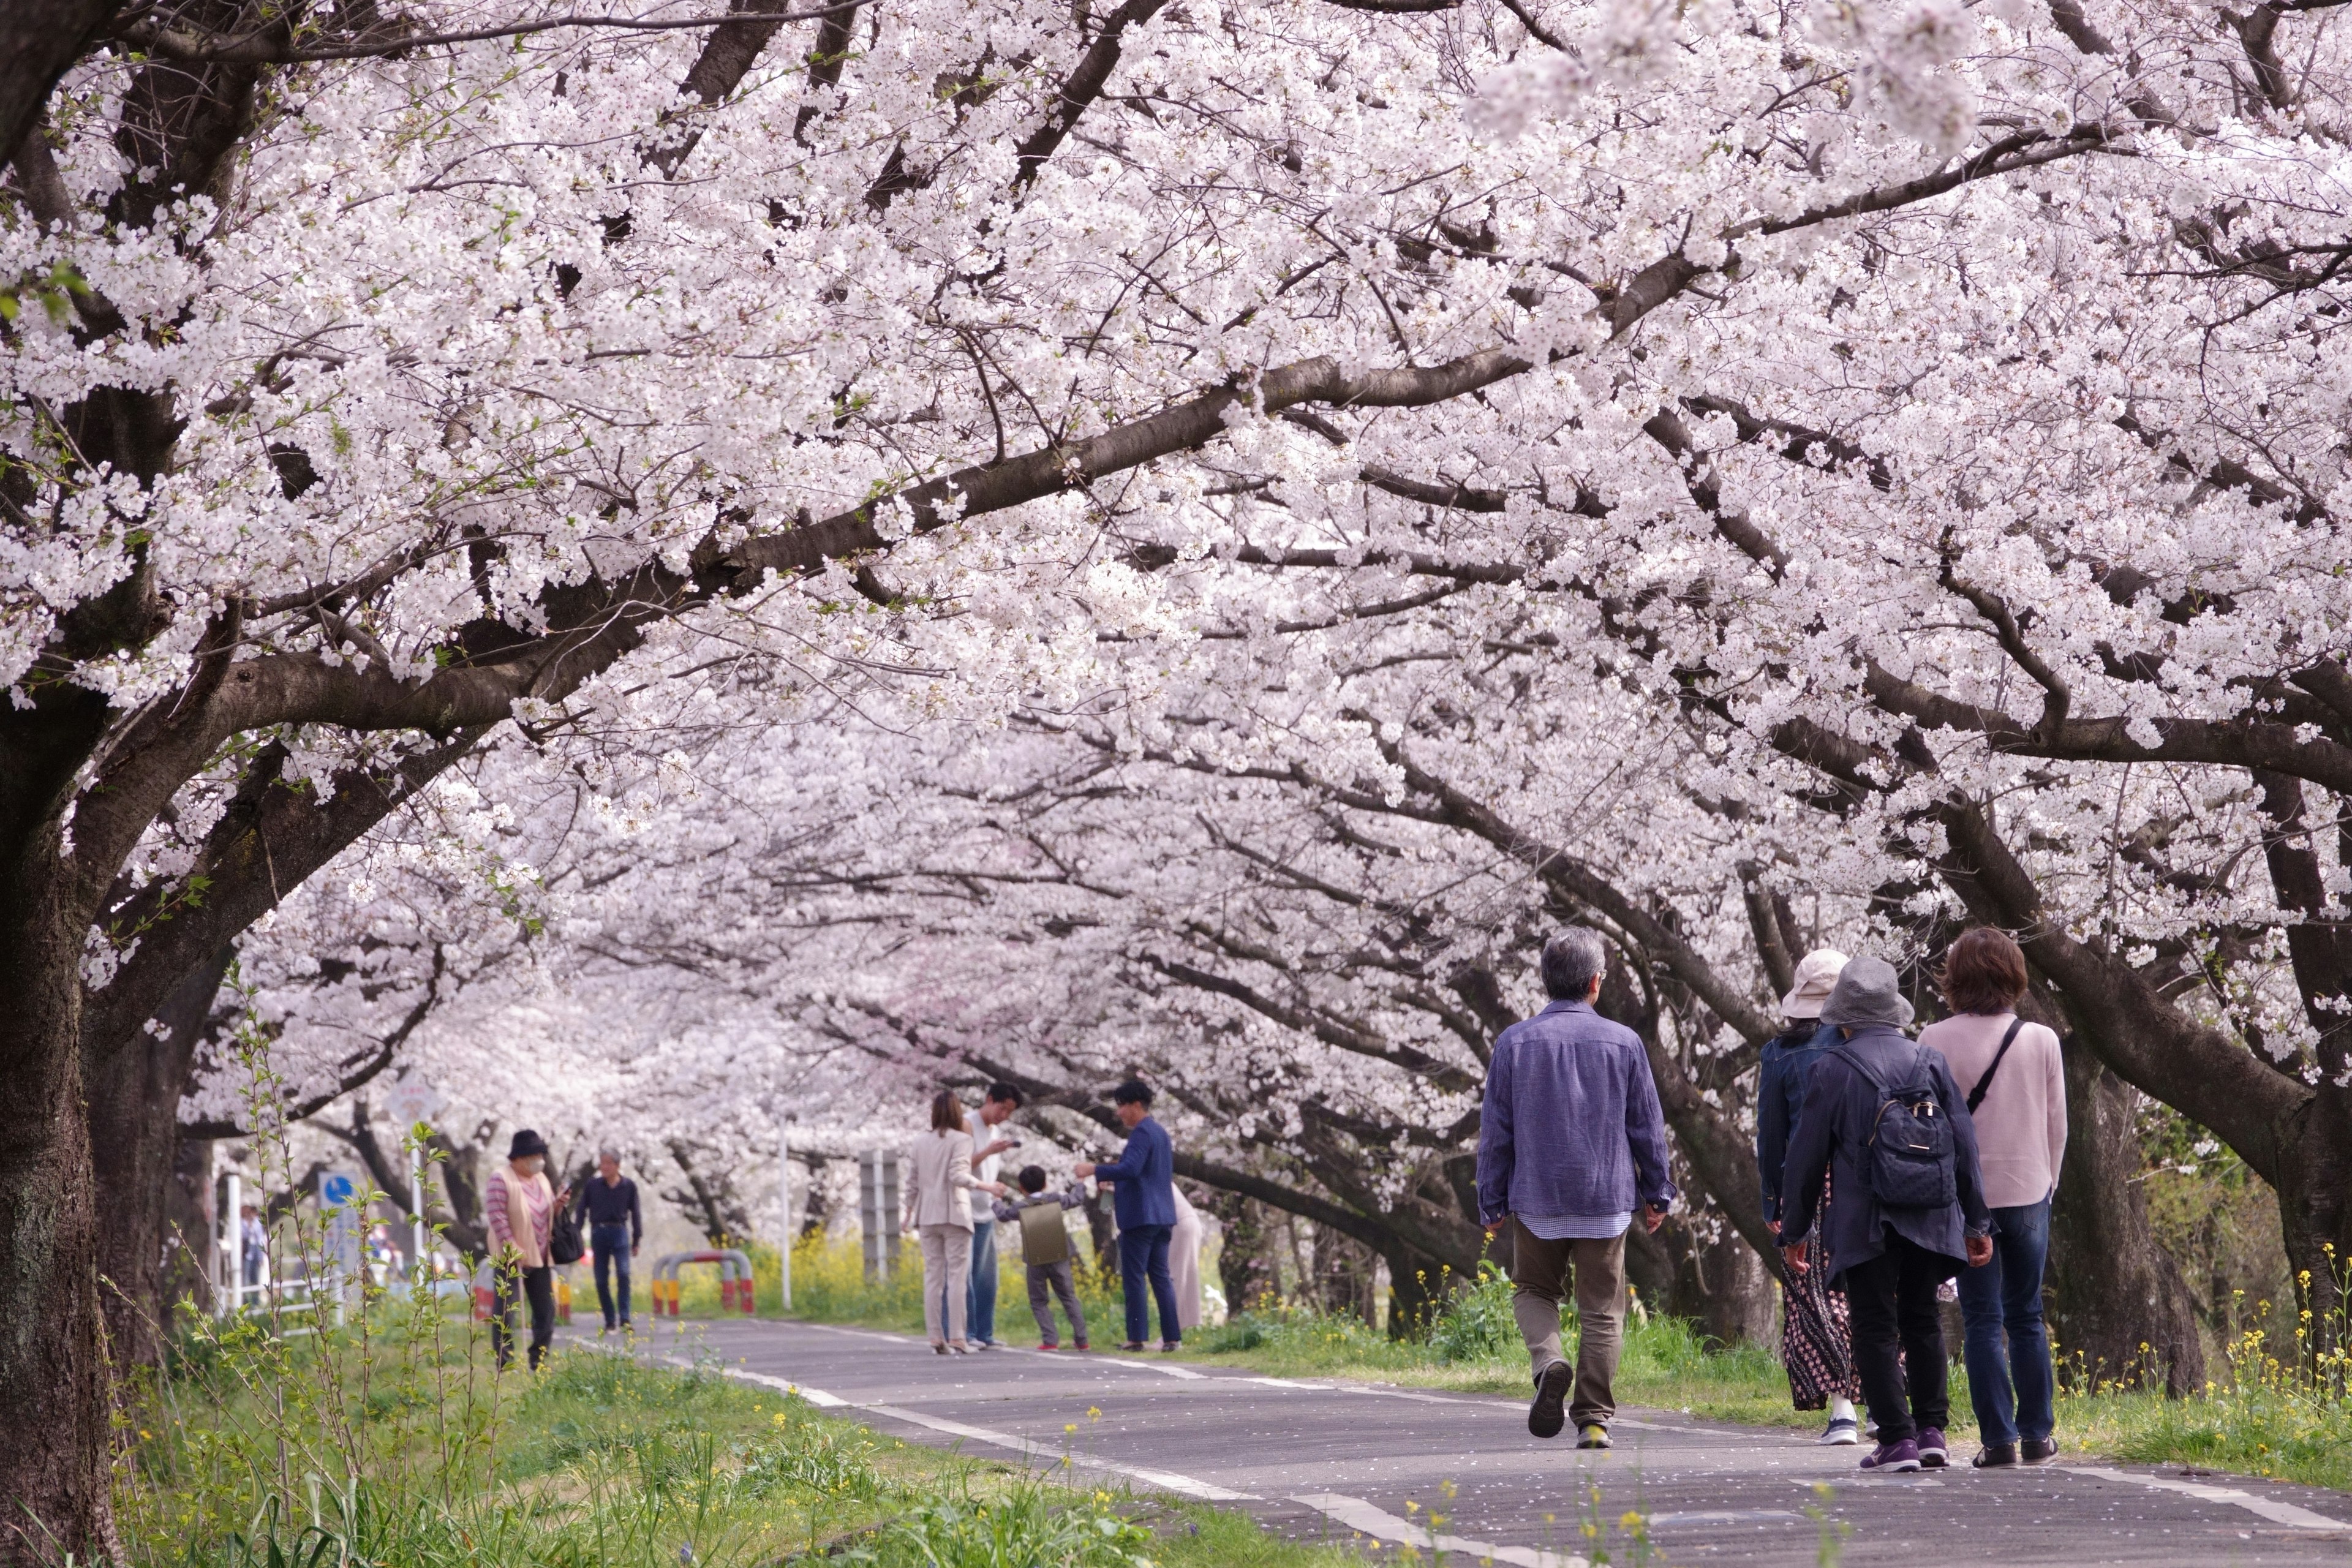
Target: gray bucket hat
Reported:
[(1868, 992)]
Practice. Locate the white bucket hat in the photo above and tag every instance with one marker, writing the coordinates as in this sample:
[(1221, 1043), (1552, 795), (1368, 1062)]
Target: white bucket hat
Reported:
[(1816, 978)]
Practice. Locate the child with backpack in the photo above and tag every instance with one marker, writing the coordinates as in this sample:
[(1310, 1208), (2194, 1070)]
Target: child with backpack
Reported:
[(1046, 1252), (1885, 1123)]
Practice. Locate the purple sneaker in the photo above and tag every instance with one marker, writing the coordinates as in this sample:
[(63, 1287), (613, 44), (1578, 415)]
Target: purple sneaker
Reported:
[(1933, 1455), (1895, 1457)]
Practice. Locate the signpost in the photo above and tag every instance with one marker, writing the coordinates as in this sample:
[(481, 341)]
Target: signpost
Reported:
[(409, 1101), (346, 1217)]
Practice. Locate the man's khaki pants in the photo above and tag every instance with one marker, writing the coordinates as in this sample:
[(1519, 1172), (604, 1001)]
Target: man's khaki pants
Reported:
[(1539, 1270)]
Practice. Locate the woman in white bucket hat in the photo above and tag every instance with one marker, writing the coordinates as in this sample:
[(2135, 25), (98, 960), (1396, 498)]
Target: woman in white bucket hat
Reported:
[(1814, 1342)]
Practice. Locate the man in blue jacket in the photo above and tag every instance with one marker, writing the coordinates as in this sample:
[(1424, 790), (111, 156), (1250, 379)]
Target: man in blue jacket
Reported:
[(1144, 1200), (1569, 1137), (1888, 1255)]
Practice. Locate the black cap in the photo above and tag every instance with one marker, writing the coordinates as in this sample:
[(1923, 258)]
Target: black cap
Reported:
[(527, 1142)]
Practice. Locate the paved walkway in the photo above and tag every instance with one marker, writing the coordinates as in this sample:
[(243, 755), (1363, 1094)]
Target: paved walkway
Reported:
[(1327, 1460)]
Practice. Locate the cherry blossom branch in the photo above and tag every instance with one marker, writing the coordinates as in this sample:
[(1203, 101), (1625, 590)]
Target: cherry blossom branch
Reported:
[(191, 47)]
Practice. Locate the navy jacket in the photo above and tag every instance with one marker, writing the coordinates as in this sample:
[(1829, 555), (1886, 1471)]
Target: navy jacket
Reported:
[(1146, 1174), (1572, 1124), (1833, 1137), (1782, 1072), (615, 1205)]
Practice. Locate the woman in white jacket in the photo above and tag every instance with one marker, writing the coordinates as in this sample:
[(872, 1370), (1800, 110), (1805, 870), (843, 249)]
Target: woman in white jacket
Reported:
[(939, 1210)]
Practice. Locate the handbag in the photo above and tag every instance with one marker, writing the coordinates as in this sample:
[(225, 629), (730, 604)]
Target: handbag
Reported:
[(563, 1243)]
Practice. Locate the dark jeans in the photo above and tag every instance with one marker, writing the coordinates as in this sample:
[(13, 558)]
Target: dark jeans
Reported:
[(539, 1290), (1891, 1302), (610, 1244), (980, 1294), (2001, 1305), (1143, 1254)]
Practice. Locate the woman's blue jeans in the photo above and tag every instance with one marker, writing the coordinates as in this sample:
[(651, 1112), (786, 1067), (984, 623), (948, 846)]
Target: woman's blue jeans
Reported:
[(2007, 1344)]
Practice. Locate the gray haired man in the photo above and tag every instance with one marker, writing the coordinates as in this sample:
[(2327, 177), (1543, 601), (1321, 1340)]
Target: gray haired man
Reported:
[(616, 1227), (1570, 1137)]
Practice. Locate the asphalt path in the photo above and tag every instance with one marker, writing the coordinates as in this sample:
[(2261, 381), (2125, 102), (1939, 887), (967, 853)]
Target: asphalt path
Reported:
[(1321, 1460)]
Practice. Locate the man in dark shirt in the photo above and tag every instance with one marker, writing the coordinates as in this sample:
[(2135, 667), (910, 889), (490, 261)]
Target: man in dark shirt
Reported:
[(616, 1226)]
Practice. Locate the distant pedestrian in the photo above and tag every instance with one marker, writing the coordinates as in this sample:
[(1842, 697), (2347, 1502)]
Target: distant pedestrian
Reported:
[(940, 1211), (1815, 1346), (519, 1210), (1046, 1253), (1144, 1202), (616, 1229), (2017, 1099), (979, 1296), (1184, 1261), (1570, 1139), (253, 1242), (1884, 1122)]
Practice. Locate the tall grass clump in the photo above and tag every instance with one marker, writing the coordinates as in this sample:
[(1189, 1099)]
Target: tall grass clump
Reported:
[(2282, 1409)]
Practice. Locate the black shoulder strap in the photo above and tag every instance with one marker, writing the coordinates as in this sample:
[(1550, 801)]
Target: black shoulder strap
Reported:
[(1975, 1095), (1858, 1065)]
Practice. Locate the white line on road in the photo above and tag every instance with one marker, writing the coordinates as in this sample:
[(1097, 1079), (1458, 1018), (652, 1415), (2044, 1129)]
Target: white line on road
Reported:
[(1166, 1481), (816, 1396), (1165, 1368), (2277, 1513), (1381, 1525)]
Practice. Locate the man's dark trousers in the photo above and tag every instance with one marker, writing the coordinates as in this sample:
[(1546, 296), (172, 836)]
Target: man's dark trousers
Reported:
[(1143, 1254), (610, 1244), (1892, 1298), (2001, 1305)]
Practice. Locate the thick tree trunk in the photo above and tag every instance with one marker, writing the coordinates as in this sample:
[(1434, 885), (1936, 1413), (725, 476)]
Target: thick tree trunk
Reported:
[(2315, 1198), (133, 1109), (1718, 1283), (53, 1470), (2126, 1313)]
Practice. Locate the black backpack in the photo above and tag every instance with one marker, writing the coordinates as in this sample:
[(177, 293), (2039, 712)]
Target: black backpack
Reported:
[(1911, 1163)]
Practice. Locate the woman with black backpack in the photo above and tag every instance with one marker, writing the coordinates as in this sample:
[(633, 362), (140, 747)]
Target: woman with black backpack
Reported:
[(2017, 1102), (1883, 1120)]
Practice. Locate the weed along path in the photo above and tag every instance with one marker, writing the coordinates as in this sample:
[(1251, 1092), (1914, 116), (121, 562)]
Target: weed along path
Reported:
[(1457, 1472)]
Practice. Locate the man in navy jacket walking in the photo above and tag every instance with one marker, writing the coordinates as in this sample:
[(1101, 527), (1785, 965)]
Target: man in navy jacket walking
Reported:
[(1569, 1138), (1144, 1200)]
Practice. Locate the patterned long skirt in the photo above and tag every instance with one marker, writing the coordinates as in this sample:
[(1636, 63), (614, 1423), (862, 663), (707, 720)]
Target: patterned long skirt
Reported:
[(1815, 1344)]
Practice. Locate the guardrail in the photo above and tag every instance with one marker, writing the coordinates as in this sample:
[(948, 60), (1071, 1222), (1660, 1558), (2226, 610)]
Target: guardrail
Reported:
[(734, 1279)]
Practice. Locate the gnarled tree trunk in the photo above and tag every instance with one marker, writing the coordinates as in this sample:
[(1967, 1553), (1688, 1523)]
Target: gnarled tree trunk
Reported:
[(2118, 1306), (134, 1107), (53, 1381)]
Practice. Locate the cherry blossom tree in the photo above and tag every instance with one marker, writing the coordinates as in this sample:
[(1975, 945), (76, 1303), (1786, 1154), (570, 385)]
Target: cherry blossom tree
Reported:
[(1926, 417)]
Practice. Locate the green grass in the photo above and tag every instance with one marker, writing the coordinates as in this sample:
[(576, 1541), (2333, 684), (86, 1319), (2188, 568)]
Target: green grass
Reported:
[(394, 1444)]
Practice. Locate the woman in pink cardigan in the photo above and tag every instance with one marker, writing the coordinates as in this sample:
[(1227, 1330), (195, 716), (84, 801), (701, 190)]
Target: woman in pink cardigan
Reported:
[(2016, 1087)]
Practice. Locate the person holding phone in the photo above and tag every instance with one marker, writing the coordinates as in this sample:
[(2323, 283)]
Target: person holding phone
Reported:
[(979, 1292), (1570, 1140)]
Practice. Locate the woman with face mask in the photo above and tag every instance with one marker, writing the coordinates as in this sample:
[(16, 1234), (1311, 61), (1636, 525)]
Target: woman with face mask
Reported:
[(519, 1207)]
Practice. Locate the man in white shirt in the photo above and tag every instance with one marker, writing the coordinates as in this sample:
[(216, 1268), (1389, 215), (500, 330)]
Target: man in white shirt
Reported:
[(979, 1300)]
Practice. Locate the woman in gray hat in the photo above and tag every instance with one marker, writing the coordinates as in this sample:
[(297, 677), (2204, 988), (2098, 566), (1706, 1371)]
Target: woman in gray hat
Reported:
[(1883, 1114), (1815, 1344)]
